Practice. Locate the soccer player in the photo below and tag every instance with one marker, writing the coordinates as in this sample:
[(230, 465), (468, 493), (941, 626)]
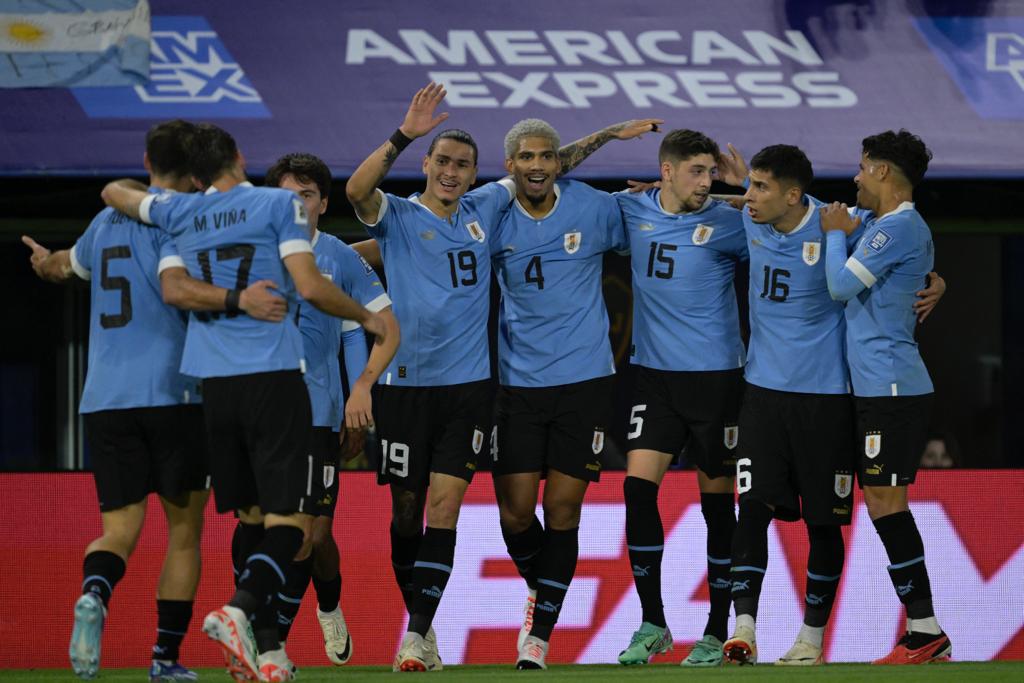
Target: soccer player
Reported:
[(143, 421), (256, 405), (689, 378), (892, 390), (322, 336)]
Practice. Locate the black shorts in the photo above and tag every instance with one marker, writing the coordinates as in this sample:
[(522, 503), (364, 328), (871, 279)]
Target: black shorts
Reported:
[(698, 411), (136, 451), (891, 435), (796, 454), (326, 451), (259, 431), (431, 429), (561, 428)]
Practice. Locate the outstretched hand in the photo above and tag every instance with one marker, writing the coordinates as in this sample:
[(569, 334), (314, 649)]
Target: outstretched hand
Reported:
[(641, 185), (732, 169), (420, 119), (636, 128)]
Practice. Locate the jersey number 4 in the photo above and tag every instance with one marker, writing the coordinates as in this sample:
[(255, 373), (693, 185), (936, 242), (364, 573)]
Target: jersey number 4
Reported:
[(244, 253)]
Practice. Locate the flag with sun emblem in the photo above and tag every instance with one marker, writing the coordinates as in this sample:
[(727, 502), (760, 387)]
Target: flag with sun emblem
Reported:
[(62, 44)]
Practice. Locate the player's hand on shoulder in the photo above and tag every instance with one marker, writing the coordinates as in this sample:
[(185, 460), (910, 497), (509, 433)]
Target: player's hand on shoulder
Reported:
[(260, 300), (836, 216), (642, 186)]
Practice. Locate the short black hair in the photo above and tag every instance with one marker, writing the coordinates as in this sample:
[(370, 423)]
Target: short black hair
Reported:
[(168, 146), (682, 144), (457, 135), (904, 150), (213, 152), (785, 162), (305, 167)]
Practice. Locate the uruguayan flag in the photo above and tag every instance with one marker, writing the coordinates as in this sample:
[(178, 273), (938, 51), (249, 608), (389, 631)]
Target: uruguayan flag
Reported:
[(80, 43)]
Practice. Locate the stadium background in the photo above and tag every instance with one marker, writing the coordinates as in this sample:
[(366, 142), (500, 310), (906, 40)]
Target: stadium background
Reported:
[(285, 81)]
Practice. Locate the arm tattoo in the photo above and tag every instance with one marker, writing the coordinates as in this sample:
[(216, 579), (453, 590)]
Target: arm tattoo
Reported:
[(390, 154), (573, 154)]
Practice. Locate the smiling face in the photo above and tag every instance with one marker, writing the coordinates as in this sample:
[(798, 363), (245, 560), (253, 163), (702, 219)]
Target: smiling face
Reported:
[(309, 193), (450, 171), (768, 199), (868, 184), (687, 183), (534, 167)]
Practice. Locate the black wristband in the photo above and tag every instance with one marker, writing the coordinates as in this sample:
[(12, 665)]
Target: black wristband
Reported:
[(231, 300), (399, 139)]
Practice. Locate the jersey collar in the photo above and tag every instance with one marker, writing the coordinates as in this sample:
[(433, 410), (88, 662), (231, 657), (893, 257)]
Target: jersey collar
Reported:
[(554, 207), (316, 236), (905, 206), (213, 190), (811, 208)]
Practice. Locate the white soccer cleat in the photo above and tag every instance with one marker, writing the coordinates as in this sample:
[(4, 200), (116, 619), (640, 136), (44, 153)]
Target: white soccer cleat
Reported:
[(84, 650), (229, 628), (337, 639), (528, 609), (742, 647), (532, 654), (412, 655), (433, 659), (801, 654), (276, 667)]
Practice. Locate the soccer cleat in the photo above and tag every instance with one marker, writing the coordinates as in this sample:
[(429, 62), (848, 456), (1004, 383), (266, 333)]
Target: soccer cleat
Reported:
[(919, 648), (84, 650), (229, 628), (412, 655), (646, 642), (164, 671), (433, 659), (276, 667), (337, 639), (802, 654), (706, 652), (532, 654), (528, 608), (741, 648)]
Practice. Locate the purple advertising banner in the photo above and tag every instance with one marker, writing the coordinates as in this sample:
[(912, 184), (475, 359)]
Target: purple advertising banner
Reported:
[(334, 79)]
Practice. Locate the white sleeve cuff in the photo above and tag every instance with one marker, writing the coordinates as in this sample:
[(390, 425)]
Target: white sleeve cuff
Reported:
[(80, 270), (298, 246), (862, 273), (379, 304), (380, 213), (510, 186), (349, 325), (144, 209), (170, 262)]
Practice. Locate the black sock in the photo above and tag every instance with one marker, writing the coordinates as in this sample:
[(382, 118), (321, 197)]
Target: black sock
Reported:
[(430, 576), (328, 592), (824, 568), (524, 549), (264, 572), (172, 620), (244, 541), (719, 510), (289, 597), (265, 628), (645, 541), (749, 555), (556, 565), (403, 558), (101, 570), (907, 569)]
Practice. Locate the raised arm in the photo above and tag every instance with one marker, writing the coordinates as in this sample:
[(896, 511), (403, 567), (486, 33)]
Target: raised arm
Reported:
[(574, 153), (125, 196), (52, 266), (361, 188)]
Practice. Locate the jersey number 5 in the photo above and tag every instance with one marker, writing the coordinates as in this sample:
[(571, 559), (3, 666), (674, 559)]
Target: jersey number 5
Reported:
[(109, 283)]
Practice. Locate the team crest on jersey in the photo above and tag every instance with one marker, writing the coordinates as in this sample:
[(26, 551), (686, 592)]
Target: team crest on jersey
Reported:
[(300, 212), (844, 485), (701, 234), (880, 241), (478, 441), (732, 436), (872, 444), (328, 476), (812, 252), (573, 241), (645, 227), (475, 231), (598, 445)]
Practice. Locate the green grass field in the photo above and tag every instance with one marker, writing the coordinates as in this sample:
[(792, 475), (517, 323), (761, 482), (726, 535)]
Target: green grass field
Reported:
[(974, 672)]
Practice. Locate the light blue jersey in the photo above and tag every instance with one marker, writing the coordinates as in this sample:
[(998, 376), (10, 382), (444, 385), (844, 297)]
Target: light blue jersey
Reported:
[(878, 280), (439, 278), (135, 339), (797, 331), (322, 333), (232, 239), (685, 315), (553, 323)]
